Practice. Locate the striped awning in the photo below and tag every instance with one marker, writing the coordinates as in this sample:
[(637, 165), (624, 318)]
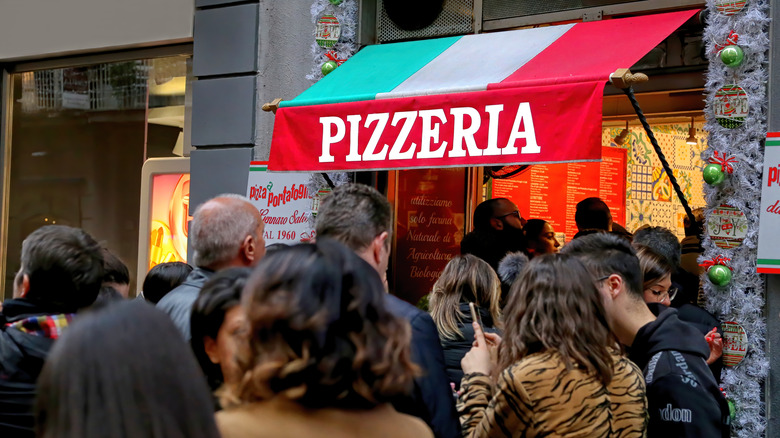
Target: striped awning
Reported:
[(513, 97)]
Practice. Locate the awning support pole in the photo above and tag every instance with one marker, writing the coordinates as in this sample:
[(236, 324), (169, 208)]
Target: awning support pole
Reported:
[(629, 91)]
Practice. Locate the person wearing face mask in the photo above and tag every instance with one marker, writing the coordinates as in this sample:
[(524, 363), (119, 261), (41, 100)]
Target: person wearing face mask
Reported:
[(498, 230), (540, 236)]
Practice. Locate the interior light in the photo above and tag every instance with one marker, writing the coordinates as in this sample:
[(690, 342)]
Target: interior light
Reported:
[(691, 135), (621, 138)]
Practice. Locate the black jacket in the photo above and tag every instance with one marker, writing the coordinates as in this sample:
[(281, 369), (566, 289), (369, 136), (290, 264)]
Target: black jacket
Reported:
[(455, 349), (21, 358), (178, 302), (683, 398), (432, 399)]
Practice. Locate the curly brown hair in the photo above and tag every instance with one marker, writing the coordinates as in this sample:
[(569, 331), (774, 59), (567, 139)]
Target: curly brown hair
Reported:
[(554, 305), (320, 334)]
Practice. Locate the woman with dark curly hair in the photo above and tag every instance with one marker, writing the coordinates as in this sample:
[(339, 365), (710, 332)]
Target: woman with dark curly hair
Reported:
[(325, 356), (559, 372)]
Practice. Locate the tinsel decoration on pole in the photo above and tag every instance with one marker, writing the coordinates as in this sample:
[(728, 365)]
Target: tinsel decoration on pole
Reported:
[(736, 123)]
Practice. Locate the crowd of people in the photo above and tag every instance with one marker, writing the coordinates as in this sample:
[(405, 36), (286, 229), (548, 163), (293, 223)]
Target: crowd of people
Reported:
[(600, 337)]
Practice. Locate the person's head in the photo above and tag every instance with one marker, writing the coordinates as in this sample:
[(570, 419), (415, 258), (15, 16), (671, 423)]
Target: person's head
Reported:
[(115, 273), (123, 370), (218, 326), (107, 295), (657, 275), (62, 267), (227, 231), (163, 278), (540, 237), (361, 218), (696, 227), (320, 334), (497, 214), (662, 241), (614, 266), (593, 213), (465, 279), (555, 306)]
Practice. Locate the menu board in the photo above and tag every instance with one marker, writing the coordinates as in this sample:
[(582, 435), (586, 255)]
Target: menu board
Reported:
[(430, 219), (552, 191)]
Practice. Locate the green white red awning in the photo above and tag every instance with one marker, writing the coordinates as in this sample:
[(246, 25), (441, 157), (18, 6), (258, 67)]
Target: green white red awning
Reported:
[(514, 97)]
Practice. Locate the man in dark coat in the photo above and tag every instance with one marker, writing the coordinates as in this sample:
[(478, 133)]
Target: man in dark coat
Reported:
[(226, 231), (361, 218), (683, 398), (61, 273), (498, 230)]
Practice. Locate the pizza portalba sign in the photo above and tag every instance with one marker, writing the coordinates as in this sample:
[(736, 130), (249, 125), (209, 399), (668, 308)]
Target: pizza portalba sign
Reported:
[(284, 202), (502, 126), (769, 220)]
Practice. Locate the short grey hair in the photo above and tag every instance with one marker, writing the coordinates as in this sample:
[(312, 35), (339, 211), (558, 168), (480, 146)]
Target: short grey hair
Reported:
[(216, 235)]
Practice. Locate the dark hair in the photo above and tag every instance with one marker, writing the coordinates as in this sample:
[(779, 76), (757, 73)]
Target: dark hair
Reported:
[(163, 278), (354, 214), (123, 371), (106, 296), (695, 228), (662, 241), (655, 266), (320, 334), (221, 293), (606, 254), (114, 270), (533, 229), (485, 211), (555, 306), (64, 266), (592, 213), (275, 247)]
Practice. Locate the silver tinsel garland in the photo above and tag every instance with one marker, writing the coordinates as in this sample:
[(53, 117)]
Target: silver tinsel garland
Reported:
[(742, 300), (347, 14)]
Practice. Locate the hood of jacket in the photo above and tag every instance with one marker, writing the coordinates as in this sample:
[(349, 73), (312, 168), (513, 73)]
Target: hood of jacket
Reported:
[(666, 333)]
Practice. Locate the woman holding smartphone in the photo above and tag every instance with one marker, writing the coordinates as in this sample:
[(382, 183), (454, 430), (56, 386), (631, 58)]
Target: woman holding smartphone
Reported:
[(559, 371)]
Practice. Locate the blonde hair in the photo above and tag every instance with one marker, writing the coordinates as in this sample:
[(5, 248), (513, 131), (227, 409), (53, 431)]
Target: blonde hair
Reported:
[(466, 278)]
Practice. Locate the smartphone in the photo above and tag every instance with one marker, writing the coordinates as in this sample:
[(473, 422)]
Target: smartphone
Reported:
[(475, 316)]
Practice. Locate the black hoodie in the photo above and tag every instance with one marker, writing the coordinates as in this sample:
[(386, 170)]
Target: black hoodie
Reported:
[(683, 397)]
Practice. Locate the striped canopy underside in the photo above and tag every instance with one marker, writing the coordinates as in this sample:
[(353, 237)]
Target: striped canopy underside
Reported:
[(551, 54)]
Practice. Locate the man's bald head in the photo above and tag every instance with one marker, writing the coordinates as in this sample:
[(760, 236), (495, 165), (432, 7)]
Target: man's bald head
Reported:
[(226, 231)]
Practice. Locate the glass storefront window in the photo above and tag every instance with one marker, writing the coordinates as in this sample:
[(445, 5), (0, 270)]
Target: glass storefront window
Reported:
[(79, 137)]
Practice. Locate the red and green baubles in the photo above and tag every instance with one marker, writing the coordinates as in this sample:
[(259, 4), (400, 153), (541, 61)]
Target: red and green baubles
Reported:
[(719, 166), (730, 53), (718, 270), (328, 67)]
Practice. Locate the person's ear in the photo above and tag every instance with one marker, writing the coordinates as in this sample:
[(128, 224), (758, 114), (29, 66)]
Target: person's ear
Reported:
[(210, 347), (615, 285), (25, 285), (497, 223), (249, 250), (379, 247)]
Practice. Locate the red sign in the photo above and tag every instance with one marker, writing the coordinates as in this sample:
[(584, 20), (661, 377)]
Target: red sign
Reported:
[(430, 219), (551, 192), (542, 124)]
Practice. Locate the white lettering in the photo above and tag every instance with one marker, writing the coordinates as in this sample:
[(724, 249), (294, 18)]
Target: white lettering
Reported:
[(430, 132), (328, 138), (395, 152), (677, 415), (492, 144), (354, 126), (523, 115), (381, 122), (461, 134)]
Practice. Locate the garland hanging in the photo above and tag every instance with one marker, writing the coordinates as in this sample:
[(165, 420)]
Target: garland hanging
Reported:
[(736, 36)]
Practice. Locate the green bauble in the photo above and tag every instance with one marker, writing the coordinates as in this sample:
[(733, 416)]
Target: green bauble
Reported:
[(732, 56), (336, 2), (732, 411), (328, 67), (713, 174), (719, 275)]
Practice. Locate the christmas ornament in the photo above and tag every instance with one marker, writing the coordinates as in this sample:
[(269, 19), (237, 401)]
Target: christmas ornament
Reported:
[(732, 56), (333, 56), (719, 275), (727, 226), (730, 106), (735, 343), (729, 7), (713, 174), (328, 67), (732, 410), (328, 31), (336, 2)]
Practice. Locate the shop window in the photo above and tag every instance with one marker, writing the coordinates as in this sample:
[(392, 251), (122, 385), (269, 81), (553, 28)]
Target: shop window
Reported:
[(79, 138)]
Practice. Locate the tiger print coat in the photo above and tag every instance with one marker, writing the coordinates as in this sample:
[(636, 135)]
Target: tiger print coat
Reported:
[(538, 397)]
